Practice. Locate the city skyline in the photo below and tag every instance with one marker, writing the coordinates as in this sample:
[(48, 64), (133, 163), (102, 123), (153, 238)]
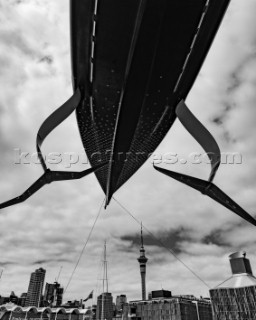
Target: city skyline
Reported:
[(238, 290), (50, 229)]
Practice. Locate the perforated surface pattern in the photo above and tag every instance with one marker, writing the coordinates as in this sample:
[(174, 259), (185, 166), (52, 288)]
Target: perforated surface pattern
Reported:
[(143, 59)]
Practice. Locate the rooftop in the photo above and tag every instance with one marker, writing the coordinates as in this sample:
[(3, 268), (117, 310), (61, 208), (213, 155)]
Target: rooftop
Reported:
[(238, 281)]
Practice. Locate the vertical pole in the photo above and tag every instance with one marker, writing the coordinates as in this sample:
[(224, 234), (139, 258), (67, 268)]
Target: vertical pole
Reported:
[(106, 265), (102, 306), (40, 294), (197, 310)]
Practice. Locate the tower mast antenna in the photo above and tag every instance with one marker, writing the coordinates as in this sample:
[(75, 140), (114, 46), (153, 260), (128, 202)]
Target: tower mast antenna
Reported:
[(141, 235), (105, 266), (142, 261)]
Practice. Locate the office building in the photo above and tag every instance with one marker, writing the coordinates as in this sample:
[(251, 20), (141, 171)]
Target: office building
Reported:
[(164, 306), (53, 294), (105, 306), (120, 302), (35, 288), (235, 298), (22, 299)]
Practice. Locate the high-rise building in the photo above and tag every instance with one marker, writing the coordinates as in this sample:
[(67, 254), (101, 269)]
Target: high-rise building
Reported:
[(120, 301), (235, 298), (142, 261), (105, 306), (35, 288), (53, 294)]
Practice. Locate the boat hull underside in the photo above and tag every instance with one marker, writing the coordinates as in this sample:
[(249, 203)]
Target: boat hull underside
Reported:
[(133, 62)]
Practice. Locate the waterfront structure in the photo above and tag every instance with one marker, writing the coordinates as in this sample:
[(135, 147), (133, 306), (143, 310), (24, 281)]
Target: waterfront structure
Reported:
[(53, 294), (165, 307), (235, 298), (11, 311), (35, 288), (142, 261)]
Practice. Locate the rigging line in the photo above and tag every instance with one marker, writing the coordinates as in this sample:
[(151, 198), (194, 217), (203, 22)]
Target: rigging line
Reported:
[(162, 244), (85, 244)]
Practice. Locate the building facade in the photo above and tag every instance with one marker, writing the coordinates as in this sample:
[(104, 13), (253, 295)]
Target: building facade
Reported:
[(235, 298), (105, 306), (19, 301), (166, 308), (12, 312), (23, 298), (53, 294), (35, 288), (120, 302)]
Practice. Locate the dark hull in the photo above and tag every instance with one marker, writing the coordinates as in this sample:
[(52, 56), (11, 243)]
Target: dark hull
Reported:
[(133, 61)]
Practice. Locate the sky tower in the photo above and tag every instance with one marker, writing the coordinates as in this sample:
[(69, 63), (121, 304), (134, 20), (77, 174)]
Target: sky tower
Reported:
[(142, 261)]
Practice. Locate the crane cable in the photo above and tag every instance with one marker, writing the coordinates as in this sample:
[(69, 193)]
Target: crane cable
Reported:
[(162, 244), (85, 244)]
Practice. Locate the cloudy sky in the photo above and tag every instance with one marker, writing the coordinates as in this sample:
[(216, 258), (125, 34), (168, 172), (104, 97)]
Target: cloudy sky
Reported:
[(49, 230)]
